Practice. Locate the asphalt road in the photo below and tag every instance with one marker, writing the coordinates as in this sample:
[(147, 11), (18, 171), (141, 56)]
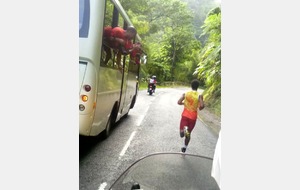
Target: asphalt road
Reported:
[(152, 126)]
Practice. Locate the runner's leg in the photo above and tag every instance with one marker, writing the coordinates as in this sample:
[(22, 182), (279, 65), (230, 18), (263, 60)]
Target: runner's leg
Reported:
[(191, 125), (183, 122)]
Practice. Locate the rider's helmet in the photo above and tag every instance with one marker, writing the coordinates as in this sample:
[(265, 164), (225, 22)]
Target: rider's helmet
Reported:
[(154, 77)]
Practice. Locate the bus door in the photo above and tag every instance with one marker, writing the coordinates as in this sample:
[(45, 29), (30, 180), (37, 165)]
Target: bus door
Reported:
[(124, 98)]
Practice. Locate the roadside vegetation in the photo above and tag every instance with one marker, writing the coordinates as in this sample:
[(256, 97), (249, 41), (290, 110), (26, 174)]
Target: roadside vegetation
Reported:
[(182, 39)]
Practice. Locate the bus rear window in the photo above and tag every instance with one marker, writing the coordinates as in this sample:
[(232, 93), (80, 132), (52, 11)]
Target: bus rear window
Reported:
[(84, 18)]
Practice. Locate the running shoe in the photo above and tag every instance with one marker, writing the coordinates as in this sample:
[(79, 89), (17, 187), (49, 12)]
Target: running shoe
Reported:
[(183, 149)]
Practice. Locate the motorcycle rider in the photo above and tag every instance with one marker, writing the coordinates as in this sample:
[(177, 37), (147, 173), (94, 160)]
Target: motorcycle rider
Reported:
[(152, 81)]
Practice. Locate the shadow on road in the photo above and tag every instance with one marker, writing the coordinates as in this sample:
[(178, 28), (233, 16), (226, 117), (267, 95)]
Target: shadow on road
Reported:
[(88, 143)]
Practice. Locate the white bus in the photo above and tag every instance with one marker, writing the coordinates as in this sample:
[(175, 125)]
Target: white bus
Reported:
[(106, 93)]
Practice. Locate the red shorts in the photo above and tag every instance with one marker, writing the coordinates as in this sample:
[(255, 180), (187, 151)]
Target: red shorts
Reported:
[(187, 122)]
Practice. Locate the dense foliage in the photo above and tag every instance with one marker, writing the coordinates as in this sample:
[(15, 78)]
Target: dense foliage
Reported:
[(175, 49), (209, 67)]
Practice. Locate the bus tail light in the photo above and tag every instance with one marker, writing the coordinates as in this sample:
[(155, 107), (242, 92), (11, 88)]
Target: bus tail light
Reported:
[(84, 98), (87, 87)]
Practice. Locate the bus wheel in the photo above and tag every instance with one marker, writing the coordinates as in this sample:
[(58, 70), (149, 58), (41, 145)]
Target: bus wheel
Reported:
[(110, 123), (133, 102), (108, 127)]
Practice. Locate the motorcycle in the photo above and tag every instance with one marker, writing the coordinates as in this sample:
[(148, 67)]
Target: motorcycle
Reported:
[(151, 89), (168, 171)]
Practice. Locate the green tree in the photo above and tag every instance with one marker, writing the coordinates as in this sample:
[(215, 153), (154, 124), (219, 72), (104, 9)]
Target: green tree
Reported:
[(200, 8), (172, 40), (209, 67)]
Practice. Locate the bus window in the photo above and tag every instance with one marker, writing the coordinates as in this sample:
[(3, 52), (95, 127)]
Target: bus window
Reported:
[(107, 54), (121, 21), (84, 18), (108, 13), (112, 54)]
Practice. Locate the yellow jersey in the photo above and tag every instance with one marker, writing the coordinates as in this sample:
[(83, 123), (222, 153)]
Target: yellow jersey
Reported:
[(191, 104)]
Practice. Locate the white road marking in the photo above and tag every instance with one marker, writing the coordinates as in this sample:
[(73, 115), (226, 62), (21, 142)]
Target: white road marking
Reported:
[(127, 144), (139, 120), (102, 186), (139, 115)]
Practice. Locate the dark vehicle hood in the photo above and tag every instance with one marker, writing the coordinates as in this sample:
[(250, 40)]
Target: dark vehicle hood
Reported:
[(168, 171)]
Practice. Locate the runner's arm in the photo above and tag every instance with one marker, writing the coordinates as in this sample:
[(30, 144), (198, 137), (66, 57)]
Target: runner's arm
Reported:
[(201, 102), (181, 100)]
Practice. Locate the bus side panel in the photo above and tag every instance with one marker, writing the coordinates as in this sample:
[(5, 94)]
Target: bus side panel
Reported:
[(109, 82), (131, 90)]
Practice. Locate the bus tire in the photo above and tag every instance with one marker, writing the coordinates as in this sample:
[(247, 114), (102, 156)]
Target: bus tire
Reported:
[(111, 122), (133, 102), (108, 128)]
